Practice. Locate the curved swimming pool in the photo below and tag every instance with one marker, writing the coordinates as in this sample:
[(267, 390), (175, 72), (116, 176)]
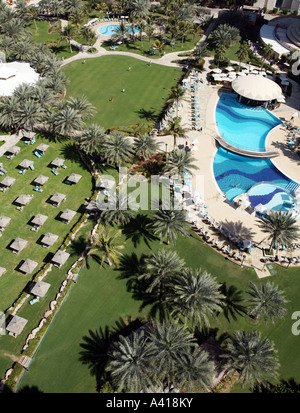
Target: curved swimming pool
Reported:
[(242, 126), (271, 196), (109, 29), (236, 174)]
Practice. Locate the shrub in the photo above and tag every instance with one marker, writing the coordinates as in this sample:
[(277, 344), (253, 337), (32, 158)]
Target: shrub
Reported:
[(285, 11)]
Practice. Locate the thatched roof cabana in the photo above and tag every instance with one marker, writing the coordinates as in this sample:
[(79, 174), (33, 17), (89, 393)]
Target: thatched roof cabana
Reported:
[(40, 288), (41, 180), (28, 266), (74, 178), (4, 221), (39, 219), (67, 215), (8, 181), (18, 244), (57, 198), (49, 239), (24, 199), (60, 258), (16, 325)]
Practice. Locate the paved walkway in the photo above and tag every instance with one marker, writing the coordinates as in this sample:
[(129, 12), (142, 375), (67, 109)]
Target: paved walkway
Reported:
[(10, 140)]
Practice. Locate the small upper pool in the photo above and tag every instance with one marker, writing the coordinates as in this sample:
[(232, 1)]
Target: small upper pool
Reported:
[(271, 196), (243, 126), (110, 29)]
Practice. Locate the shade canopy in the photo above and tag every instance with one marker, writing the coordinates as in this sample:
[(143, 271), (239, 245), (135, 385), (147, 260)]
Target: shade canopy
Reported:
[(41, 179), (16, 325), (40, 288), (256, 87), (24, 199), (74, 178), (60, 257), (28, 266), (4, 221), (42, 147), (49, 239), (8, 181), (2, 271), (58, 162), (57, 198), (14, 149), (18, 244), (25, 163), (39, 219), (67, 215)]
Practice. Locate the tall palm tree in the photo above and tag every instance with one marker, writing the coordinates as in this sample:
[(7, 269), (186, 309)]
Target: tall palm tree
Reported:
[(117, 211), (267, 52), (185, 28), (281, 227), (175, 129), (177, 94), (67, 121), (67, 34), (141, 26), (169, 224), (220, 53), (145, 146), (160, 269), (121, 30), (253, 357), (88, 35), (8, 110), (195, 296), (200, 52), (242, 53), (129, 364), (149, 30), (72, 6), (93, 139), (32, 13), (29, 113), (140, 9), (181, 162), (173, 28), (195, 369), (159, 45), (225, 35), (82, 105), (266, 301), (118, 148), (108, 245), (168, 344)]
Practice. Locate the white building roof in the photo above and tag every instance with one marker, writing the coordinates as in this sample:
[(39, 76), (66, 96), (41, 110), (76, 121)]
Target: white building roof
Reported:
[(267, 34), (14, 74)]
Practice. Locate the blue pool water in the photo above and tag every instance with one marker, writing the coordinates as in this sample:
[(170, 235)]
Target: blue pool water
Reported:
[(236, 174), (243, 126), (109, 29), (271, 197)]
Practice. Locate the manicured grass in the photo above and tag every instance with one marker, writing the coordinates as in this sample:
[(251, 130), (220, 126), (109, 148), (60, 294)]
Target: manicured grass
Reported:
[(13, 282), (101, 298), (147, 87)]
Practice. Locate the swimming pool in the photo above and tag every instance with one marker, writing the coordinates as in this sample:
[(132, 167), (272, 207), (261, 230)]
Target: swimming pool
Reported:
[(109, 29), (242, 126), (236, 174), (271, 197)]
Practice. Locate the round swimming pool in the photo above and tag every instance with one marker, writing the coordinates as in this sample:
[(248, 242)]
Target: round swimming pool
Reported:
[(271, 196), (243, 126), (110, 29)]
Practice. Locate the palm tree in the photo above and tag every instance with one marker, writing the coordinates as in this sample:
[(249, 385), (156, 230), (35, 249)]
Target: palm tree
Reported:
[(24, 49), (88, 35), (220, 54), (67, 121), (281, 227), (159, 45), (13, 28), (181, 162), (108, 244), (254, 358), (225, 35), (267, 52), (8, 110), (32, 13), (160, 269), (121, 30), (149, 30), (72, 6), (28, 114), (266, 301), (67, 34), (118, 148), (173, 29), (195, 368), (130, 364), (117, 209), (185, 28), (175, 129), (200, 52), (93, 139), (83, 106), (141, 26), (177, 94), (195, 296), (139, 9), (242, 53), (168, 345), (145, 146), (169, 224)]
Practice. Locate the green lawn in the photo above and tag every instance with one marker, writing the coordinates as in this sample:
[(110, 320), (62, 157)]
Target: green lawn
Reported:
[(101, 298), (13, 282), (147, 87)]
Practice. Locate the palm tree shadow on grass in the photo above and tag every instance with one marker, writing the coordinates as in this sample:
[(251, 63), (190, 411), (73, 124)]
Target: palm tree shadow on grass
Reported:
[(202, 334), (78, 246), (138, 229), (131, 267), (285, 386), (233, 302), (52, 137), (96, 345), (70, 153), (147, 114)]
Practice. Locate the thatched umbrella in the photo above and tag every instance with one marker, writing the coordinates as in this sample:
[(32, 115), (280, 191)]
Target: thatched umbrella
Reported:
[(28, 266), (24, 199), (14, 150), (4, 221), (67, 215), (18, 244), (2, 271), (8, 181), (57, 198), (39, 219), (42, 147), (74, 178), (60, 258), (49, 239), (57, 162), (16, 325), (25, 163), (40, 288), (41, 180)]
